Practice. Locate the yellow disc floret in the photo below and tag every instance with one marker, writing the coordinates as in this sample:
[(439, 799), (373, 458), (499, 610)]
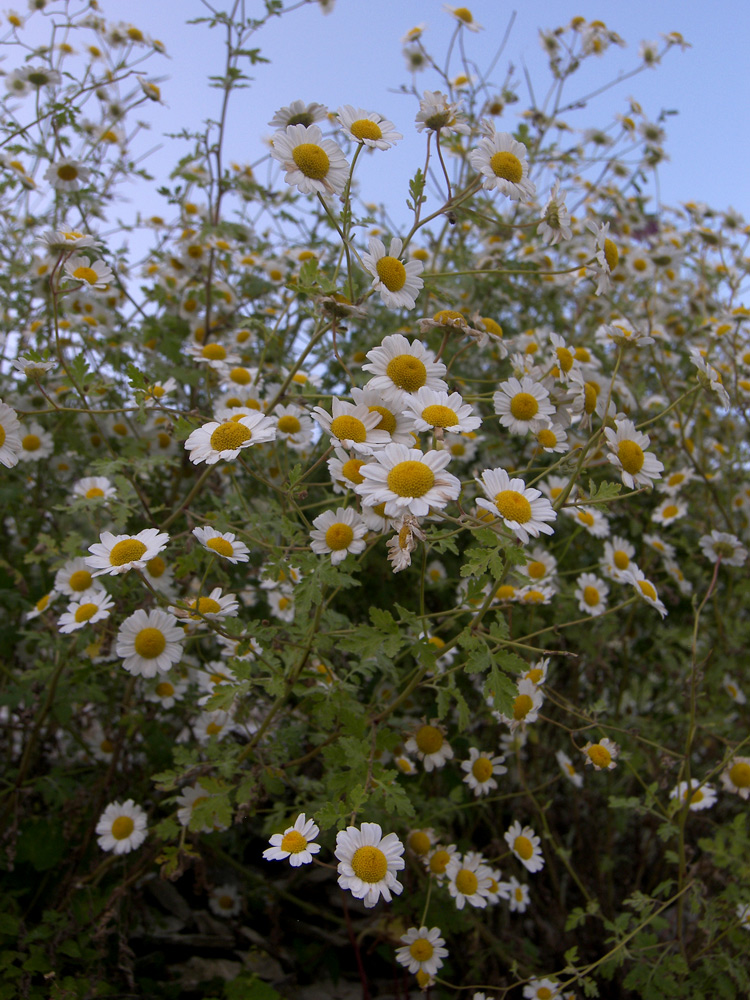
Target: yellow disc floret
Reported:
[(128, 550), (523, 847), (522, 706), (513, 506), (600, 755), (312, 160), (293, 842), (439, 416), (392, 273), (739, 774), (407, 372), (150, 643), (80, 580), (507, 166), (230, 436), (466, 882), (429, 739), (369, 864), (122, 827), (220, 546), (421, 950), (411, 479), (85, 612), (339, 536), (348, 428), (631, 456), (289, 424), (363, 128), (482, 769)]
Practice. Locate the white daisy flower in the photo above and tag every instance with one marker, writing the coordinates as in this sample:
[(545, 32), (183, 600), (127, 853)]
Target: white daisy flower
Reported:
[(617, 558), (501, 160), (220, 442), (67, 174), (299, 113), (165, 691), (566, 766), (85, 611), (41, 605), (118, 553), (439, 410), (523, 510), (464, 17), (213, 607), (10, 436), (438, 859), (553, 439), (368, 863), (121, 827), (480, 769), (160, 576), (36, 443), (76, 580), (215, 355), (408, 481), (225, 900), (393, 420), (34, 370), (436, 113), (591, 594), (523, 405), (541, 567), (187, 800), (591, 518), (517, 894), (314, 165), (606, 255), (542, 989), (64, 240), (94, 488), (223, 544), (729, 684), (212, 726), (150, 642), (601, 755), (352, 426), (555, 222), (367, 127), (674, 482), (343, 468), (94, 274), (469, 881), (294, 843), (401, 367), (645, 589), (398, 283), (293, 426), (423, 950), (665, 549), (281, 603), (525, 844), (430, 745), (736, 777), (338, 533), (668, 511), (722, 545), (699, 795), (526, 705)]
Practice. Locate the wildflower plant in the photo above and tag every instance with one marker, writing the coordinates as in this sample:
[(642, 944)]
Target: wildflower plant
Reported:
[(413, 547)]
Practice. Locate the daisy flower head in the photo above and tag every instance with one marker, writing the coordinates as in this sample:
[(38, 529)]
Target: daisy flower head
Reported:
[(591, 594), (566, 766), (525, 845), (207, 608), (438, 859), (645, 589), (627, 452), (398, 283), (501, 160), (729, 684), (368, 862), (36, 443), (10, 437), (668, 511), (420, 842), (281, 603), (523, 510), (94, 275), (606, 255), (722, 545), (86, 611), (118, 553), (526, 705), (617, 558), (553, 439), (440, 411), (76, 580), (480, 770), (464, 17), (743, 915), (735, 777), (665, 549), (394, 420), (222, 544), (94, 488), (220, 442), (541, 566), (314, 165), (436, 113), (674, 482), (338, 533), (430, 745), (601, 755), (517, 894), (150, 642), (187, 800), (224, 900), (165, 691), (295, 843), (299, 113), (542, 989), (469, 880), (523, 405), (368, 127), (555, 222), (423, 950), (352, 426), (121, 827), (408, 481), (67, 174), (695, 794), (400, 368), (33, 369)]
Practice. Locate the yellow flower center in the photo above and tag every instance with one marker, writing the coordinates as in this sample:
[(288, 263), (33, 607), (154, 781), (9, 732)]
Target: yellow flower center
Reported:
[(522, 706), (670, 511), (312, 160), (419, 842), (463, 14), (647, 589), (631, 456), (392, 273), (213, 729), (600, 755), (230, 436), (240, 375), (156, 566), (86, 611), (293, 842), (492, 327), (42, 603), (350, 470), (122, 827), (507, 166), (289, 424), (590, 393), (87, 274), (363, 128), (164, 689), (91, 493), (421, 950), (150, 643), (458, 449), (543, 993), (523, 847), (206, 606), (214, 352), (591, 596), (621, 559), (586, 518), (439, 861), (611, 254), (429, 739), (2, 435), (120, 429), (697, 796), (547, 438), (128, 550), (505, 592), (369, 864), (221, 546), (31, 442), (339, 536), (482, 769), (80, 580), (67, 172), (387, 419), (536, 570), (284, 603), (439, 416), (513, 506), (410, 479), (449, 316), (407, 372), (106, 746), (519, 894), (466, 882), (564, 358), (534, 675), (739, 774), (347, 428)]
